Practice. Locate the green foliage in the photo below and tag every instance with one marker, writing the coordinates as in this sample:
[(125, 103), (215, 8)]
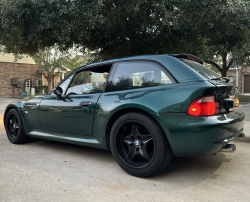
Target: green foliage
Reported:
[(215, 30), (221, 29), (78, 58), (115, 29), (50, 62), (39, 89), (29, 25)]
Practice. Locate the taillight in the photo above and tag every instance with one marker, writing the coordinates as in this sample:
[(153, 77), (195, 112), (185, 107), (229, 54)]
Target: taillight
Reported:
[(204, 106)]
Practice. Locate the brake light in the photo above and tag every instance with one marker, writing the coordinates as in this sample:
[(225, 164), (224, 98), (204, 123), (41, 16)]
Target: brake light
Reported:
[(204, 106)]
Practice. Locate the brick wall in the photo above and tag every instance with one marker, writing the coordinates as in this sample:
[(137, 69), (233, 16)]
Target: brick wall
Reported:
[(20, 71)]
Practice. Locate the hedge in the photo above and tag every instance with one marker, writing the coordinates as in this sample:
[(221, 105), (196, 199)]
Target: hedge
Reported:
[(39, 89)]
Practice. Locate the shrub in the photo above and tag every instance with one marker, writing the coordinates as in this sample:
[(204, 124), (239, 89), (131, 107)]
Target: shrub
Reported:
[(39, 89)]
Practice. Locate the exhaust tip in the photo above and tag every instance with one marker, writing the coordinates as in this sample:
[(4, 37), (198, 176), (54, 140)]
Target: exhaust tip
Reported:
[(242, 135), (229, 148)]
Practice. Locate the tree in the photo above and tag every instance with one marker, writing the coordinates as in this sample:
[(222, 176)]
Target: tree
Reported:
[(78, 57), (222, 30), (114, 28), (27, 26), (48, 61), (211, 29)]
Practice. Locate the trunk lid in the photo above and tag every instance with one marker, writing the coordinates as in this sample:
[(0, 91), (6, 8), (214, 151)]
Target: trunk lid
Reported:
[(225, 94)]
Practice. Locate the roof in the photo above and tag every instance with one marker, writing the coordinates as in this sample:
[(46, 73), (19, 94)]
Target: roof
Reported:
[(62, 69), (5, 57), (233, 66), (153, 57)]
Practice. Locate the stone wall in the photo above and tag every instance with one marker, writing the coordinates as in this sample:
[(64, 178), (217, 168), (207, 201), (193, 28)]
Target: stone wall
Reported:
[(20, 71), (245, 70), (232, 72)]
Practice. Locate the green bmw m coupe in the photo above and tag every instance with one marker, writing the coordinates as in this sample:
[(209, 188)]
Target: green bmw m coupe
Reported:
[(145, 109)]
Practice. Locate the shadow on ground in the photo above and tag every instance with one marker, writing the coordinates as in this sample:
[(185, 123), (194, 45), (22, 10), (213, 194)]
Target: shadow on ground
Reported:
[(182, 172)]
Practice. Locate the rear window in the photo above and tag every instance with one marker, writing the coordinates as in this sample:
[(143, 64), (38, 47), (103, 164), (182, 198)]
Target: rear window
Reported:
[(201, 69)]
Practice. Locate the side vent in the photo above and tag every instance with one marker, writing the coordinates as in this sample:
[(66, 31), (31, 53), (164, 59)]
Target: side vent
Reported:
[(30, 105)]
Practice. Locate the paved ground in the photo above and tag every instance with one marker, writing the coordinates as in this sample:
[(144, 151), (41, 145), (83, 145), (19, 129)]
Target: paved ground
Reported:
[(50, 171)]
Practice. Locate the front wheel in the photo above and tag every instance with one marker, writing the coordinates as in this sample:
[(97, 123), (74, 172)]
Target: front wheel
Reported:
[(139, 145), (14, 127)]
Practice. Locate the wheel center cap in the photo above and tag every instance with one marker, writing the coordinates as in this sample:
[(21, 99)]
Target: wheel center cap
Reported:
[(137, 143)]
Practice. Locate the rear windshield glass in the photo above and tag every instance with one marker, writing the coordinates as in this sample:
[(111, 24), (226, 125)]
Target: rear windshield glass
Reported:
[(202, 70)]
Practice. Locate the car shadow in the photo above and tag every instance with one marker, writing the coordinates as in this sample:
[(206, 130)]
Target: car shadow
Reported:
[(184, 171), (71, 149), (190, 166)]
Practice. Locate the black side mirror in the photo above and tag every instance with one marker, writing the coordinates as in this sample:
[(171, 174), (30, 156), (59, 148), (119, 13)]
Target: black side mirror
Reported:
[(58, 92)]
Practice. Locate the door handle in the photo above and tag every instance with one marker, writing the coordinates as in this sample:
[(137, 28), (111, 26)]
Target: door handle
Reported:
[(85, 104)]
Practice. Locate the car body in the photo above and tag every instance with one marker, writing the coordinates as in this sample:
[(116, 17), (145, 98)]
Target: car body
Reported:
[(87, 118)]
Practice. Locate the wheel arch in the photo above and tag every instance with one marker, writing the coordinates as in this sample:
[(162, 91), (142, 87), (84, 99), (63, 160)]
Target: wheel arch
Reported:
[(123, 111), (8, 108)]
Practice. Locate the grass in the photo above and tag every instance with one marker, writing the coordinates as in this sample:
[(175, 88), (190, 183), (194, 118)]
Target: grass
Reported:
[(244, 98)]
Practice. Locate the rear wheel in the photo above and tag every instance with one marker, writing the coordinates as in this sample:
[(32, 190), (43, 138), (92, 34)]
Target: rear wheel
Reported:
[(14, 127), (139, 145)]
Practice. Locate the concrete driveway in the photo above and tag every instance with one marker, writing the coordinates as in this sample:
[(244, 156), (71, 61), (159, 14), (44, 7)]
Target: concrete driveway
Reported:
[(44, 170)]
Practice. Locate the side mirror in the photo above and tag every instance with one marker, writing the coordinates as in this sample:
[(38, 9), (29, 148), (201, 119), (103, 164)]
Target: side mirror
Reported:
[(58, 92)]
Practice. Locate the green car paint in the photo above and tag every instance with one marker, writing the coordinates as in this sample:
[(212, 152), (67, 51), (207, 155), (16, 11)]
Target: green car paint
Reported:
[(69, 112), (67, 121)]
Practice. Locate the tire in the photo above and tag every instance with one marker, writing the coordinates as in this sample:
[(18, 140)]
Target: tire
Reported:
[(14, 127), (139, 145)]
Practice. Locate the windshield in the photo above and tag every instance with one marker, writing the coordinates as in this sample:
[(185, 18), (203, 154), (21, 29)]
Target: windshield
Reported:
[(201, 69)]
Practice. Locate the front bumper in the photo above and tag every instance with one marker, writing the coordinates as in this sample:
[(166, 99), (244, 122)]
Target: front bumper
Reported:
[(192, 136)]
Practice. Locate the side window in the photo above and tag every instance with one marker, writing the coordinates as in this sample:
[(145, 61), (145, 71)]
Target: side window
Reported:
[(87, 82), (65, 84), (131, 75)]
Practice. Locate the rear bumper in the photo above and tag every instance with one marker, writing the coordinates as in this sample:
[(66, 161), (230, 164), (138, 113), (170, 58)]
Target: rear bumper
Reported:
[(191, 136)]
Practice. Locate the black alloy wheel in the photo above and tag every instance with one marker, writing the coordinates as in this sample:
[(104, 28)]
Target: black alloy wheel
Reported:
[(135, 144), (14, 127), (139, 145)]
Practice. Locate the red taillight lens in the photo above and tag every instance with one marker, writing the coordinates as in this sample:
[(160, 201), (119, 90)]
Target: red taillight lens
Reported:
[(204, 106)]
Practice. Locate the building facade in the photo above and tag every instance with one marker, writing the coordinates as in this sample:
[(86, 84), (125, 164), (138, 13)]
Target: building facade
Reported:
[(240, 77), (23, 69)]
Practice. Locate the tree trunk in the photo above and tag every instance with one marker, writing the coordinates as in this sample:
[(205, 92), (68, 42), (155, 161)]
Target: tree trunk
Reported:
[(224, 65), (49, 84), (224, 72)]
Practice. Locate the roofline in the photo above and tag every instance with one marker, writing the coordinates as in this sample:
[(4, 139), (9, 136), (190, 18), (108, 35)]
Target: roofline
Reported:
[(142, 57)]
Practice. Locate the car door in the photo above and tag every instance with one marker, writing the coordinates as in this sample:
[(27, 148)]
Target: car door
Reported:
[(73, 113)]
